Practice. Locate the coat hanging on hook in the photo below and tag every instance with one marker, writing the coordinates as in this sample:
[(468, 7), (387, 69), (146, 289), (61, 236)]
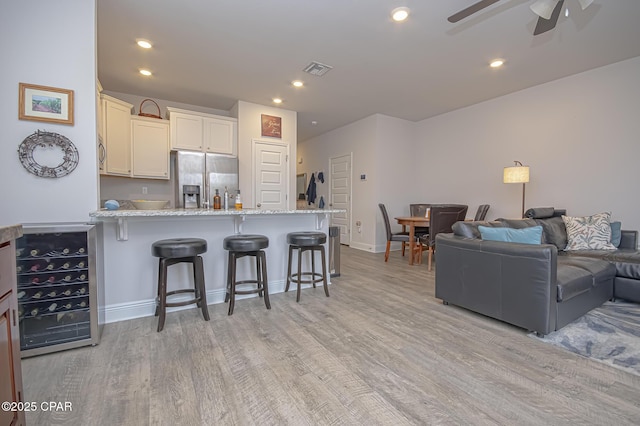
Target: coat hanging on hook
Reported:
[(311, 190)]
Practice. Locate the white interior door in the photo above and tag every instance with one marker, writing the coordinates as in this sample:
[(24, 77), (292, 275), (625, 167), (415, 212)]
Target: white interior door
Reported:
[(340, 197), (271, 171)]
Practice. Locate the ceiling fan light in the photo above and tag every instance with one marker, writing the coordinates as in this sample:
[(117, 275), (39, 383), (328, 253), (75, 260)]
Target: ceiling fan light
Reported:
[(544, 8), (585, 3)]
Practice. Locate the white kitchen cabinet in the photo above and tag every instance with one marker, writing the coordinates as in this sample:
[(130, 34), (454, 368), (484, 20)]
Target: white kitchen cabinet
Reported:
[(202, 132), (117, 135), (149, 148)]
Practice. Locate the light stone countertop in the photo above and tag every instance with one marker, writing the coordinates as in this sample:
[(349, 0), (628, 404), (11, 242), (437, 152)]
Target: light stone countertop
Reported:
[(104, 214), (11, 232)]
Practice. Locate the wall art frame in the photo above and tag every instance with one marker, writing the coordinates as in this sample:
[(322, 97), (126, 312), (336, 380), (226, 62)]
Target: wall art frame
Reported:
[(271, 126), (45, 103)]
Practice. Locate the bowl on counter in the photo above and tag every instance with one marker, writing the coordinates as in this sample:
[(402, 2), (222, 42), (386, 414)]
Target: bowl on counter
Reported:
[(149, 204)]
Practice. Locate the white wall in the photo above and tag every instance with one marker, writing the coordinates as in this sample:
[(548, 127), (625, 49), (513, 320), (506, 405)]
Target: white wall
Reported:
[(382, 150), (579, 135), (64, 58), (250, 128)]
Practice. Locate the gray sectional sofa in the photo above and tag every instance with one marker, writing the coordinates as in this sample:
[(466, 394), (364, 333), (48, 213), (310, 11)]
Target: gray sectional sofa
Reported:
[(540, 288)]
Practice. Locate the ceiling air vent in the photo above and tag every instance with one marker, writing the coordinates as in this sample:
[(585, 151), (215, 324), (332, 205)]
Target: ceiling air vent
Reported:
[(318, 69)]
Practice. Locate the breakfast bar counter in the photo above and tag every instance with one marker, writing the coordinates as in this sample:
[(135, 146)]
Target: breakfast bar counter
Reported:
[(131, 272)]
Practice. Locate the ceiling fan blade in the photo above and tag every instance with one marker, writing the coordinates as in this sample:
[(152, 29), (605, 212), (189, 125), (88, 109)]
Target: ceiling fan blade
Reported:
[(471, 10), (545, 25)]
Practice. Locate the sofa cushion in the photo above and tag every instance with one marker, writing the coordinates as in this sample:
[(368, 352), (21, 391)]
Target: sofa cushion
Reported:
[(469, 229), (616, 233), (626, 261), (572, 281), (589, 232), (531, 235), (554, 231), (518, 223), (600, 270)]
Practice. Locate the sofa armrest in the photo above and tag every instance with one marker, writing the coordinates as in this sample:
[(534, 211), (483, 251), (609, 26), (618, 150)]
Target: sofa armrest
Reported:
[(511, 282), (629, 240)]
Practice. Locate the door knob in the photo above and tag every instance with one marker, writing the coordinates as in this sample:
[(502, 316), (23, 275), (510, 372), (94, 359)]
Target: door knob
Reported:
[(259, 205)]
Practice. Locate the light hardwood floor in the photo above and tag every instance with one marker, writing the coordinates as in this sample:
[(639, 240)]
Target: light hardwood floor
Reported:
[(380, 351)]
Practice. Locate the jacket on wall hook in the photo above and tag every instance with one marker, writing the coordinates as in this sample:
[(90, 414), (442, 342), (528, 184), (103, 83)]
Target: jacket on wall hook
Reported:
[(311, 190)]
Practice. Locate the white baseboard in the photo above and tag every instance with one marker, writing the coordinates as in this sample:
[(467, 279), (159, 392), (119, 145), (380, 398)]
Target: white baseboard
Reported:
[(146, 308)]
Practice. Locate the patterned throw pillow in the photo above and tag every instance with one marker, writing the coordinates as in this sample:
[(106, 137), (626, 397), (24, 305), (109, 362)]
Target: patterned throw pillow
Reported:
[(589, 232)]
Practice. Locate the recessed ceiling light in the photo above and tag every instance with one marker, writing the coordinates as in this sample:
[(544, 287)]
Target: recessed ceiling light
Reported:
[(144, 44), (496, 63), (277, 100), (145, 72), (399, 14), (297, 83)]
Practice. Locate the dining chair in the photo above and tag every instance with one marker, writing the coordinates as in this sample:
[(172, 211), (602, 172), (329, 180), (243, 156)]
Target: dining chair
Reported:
[(419, 210), (441, 219), (403, 237), (481, 213)]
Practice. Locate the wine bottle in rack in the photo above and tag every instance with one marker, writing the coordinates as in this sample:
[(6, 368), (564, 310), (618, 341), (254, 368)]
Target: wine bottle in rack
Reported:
[(52, 293), (65, 265), (80, 265), (81, 277), (21, 294), (52, 307), (35, 280), (66, 306), (66, 292), (34, 311), (80, 291), (50, 266), (67, 278), (38, 295), (82, 304), (37, 266)]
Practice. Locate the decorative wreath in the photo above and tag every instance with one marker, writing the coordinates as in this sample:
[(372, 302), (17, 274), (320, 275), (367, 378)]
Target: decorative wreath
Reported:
[(45, 140)]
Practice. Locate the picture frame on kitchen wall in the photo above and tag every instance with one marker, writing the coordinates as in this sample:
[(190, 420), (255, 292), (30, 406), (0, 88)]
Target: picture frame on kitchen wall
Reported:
[(44, 103), (271, 126)]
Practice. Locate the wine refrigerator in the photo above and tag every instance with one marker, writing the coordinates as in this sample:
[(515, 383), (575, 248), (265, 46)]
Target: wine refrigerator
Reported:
[(60, 291)]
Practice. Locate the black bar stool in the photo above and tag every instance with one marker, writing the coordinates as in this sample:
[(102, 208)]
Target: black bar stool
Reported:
[(241, 246), (178, 250), (307, 241)]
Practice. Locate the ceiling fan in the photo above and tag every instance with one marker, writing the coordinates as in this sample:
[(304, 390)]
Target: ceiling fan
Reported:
[(547, 10)]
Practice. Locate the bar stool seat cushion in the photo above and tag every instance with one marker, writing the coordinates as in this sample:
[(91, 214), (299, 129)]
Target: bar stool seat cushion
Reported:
[(245, 243), (306, 238), (179, 247)]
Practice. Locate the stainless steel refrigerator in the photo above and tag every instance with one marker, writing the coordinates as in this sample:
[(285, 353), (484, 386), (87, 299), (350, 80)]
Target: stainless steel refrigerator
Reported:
[(207, 171)]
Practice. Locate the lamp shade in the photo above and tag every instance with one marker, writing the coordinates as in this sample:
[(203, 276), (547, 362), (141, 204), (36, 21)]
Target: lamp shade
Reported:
[(516, 174)]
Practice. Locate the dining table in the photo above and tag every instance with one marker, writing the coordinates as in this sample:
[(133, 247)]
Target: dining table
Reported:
[(412, 222)]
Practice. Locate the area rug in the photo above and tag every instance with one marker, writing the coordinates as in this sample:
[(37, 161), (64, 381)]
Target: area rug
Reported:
[(609, 334)]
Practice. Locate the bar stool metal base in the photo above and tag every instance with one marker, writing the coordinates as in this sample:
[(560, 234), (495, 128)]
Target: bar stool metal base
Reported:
[(168, 248), (240, 246), (312, 242)]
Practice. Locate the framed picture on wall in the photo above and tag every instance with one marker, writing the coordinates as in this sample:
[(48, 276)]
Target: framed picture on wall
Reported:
[(271, 126), (44, 103)]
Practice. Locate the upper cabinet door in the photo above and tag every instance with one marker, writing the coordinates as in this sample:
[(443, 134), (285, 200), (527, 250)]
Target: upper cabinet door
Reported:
[(220, 136), (197, 131), (150, 148), (186, 131), (117, 135)]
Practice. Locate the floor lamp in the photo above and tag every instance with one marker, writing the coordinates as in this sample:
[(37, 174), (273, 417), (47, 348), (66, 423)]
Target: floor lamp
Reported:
[(517, 174)]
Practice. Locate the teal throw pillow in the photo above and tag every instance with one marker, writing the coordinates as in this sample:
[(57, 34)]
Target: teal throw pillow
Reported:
[(616, 233), (531, 235)]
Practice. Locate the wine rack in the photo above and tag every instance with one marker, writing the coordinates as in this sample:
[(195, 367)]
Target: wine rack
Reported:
[(57, 287)]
